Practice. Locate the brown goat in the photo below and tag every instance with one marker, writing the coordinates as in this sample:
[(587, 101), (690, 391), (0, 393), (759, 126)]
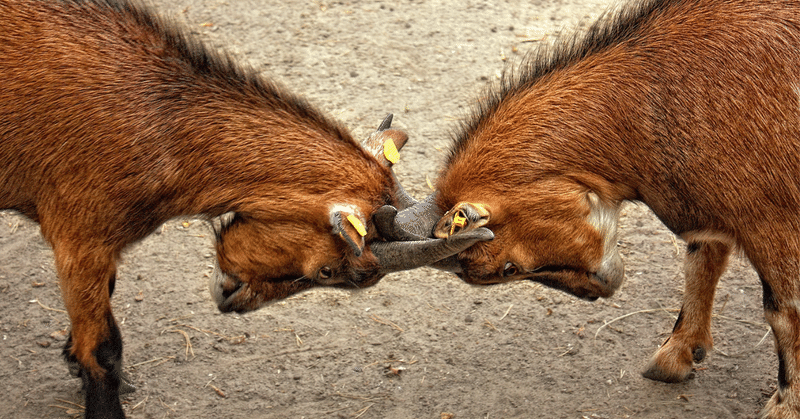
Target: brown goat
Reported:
[(689, 106), (113, 121)]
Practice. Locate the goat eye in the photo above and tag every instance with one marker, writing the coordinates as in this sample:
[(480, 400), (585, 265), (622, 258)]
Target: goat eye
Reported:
[(325, 272), (510, 269)]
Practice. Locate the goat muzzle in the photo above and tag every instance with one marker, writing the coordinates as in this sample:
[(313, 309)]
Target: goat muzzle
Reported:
[(225, 289)]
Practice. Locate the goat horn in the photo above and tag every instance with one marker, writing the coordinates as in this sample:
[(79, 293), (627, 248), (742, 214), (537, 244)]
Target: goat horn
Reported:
[(415, 222), (394, 256), (449, 264), (385, 221), (404, 200), (386, 124)]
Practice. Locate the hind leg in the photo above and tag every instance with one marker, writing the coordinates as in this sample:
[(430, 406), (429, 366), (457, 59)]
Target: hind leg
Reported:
[(691, 336), (782, 311), (95, 344)]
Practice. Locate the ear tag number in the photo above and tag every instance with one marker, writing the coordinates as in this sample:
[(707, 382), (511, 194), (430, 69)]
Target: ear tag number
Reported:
[(390, 151), (459, 222), (357, 224)]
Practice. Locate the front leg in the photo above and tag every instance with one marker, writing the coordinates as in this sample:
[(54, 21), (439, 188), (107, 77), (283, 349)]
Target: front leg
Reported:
[(95, 343), (691, 336), (125, 383), (102, 385)]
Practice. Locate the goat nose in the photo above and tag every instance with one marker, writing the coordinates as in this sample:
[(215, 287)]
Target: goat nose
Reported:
[(224, 288), (230, 286)]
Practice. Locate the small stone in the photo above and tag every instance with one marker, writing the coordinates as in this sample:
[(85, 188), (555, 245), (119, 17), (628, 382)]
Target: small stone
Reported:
[(59, 335)]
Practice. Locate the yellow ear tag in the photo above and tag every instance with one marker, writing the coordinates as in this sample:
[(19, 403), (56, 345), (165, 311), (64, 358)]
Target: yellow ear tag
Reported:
[(458, 221), (390, 151), (357, 224)]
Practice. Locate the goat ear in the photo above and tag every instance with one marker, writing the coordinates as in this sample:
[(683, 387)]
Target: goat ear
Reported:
[(349, 227), (462, 217), (385, 143)]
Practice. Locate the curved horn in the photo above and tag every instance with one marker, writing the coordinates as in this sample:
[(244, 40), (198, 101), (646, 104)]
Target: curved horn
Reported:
[(415, 222), (385, 221), (397, 256), (449, 264), (404, 200)]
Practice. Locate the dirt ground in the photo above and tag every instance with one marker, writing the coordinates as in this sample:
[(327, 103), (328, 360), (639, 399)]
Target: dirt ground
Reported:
[(420, 344)]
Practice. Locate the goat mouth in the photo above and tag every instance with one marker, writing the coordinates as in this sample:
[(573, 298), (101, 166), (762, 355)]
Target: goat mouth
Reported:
[(227, 291), (360, 283), (231, 287), (583, 284), (230, 293)]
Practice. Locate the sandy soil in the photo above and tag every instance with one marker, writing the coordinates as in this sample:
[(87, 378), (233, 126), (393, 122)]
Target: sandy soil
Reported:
[(420, 344)]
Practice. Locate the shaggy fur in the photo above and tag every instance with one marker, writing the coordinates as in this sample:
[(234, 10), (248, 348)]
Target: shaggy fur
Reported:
[(689, 106), (113, 120)]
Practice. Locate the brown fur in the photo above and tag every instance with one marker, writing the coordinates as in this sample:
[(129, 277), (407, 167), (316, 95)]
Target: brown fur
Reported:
[(112, 122), (690, 106)]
